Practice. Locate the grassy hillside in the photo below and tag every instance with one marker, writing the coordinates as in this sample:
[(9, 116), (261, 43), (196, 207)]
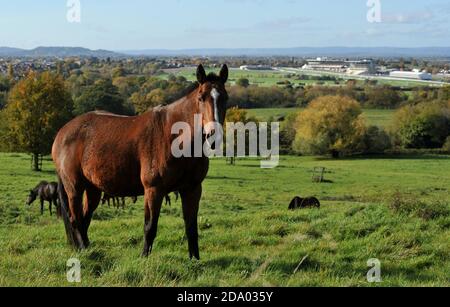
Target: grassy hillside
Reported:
[(247, 235), (380, 118)]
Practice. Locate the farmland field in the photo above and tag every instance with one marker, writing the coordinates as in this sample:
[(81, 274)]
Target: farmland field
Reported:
[(374, 117), (272, 77), (247, 235), (260, 78)]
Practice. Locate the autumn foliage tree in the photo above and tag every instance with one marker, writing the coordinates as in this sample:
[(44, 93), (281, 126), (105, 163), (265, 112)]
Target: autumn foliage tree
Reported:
[(425, 125), (330, 125), (38, 106)]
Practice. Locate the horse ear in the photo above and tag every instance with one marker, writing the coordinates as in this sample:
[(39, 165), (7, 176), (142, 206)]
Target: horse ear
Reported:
[(201, 74), (224, 73)]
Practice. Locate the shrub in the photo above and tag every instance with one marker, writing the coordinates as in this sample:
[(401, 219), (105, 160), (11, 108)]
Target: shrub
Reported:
[(383, 97), (376, 140), (446, 146), (330, 124), (425, 125), (287, 133), (243, 82)]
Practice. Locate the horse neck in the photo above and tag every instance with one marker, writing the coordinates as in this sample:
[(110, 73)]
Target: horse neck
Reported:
[(183, 110), (38, 187)]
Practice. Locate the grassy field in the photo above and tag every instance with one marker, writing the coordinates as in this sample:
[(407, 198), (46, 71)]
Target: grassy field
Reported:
[(247, 235), (260, 78), (272, 77), (380, 118)]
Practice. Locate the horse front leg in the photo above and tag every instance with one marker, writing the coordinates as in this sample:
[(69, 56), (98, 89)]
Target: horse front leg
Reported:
[(50, 207), (191, 200), (153, 202)]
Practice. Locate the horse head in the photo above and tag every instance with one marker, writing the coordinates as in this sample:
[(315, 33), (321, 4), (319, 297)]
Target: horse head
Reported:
[(31, 197), (212, 98)]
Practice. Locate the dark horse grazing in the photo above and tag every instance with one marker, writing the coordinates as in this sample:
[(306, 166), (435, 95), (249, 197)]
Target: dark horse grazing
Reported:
[(46, 192), (117, 201), (301, 203), (129, 156)]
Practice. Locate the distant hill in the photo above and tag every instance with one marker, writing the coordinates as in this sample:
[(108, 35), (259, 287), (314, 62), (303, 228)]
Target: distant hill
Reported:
[(385, 52), (61, 52), (302, 51)]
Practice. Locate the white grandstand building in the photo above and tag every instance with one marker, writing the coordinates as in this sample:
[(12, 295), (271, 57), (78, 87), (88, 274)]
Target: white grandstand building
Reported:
[(358, 67), (415, 75)]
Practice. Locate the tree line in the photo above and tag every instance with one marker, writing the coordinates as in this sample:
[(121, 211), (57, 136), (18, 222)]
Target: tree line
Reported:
[(33, 109)]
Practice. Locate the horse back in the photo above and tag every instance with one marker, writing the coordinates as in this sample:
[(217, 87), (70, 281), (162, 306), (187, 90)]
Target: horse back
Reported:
[(103, 147)]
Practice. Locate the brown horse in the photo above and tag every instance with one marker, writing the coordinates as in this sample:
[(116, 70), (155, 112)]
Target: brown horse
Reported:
[(129, 156)]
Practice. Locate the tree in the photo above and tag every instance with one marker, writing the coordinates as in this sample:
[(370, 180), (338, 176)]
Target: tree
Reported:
[(103, 95), (10, 72), (143, 102), (287, 132), (38, 106), (234, 116), (330, 124), (426, 125), (118, 72), (376, 140), (243, 82), (446, 146), (383, 97)]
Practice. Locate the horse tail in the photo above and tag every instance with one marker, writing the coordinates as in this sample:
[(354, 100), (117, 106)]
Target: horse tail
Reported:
[(64, 204)]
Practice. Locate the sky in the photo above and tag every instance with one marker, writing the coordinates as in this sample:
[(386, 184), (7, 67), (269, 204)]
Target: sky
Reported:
[(189, 24)]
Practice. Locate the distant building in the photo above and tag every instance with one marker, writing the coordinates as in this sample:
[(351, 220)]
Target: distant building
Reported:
[(358, 67), (255, 67), (415, 75)]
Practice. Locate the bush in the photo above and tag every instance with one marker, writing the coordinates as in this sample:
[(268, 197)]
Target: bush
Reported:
[(287, 133), (426, 125), (330, 124), (243, 82), (382, 97), (376, 140), (446, 146)]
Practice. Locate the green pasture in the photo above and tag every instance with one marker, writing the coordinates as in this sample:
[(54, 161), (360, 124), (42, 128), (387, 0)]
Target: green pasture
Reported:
[(260, 78), (273, 77), (247, 235)]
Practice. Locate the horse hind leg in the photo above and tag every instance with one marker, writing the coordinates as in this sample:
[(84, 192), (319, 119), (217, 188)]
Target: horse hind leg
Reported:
[(92, 201), (71, 197), (153, 202)]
